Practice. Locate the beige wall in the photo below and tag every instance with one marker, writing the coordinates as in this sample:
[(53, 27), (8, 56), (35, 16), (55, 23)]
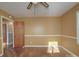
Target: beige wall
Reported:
[(3, 13), (69, 22), (41, 26), (69, 29), (65, 25)]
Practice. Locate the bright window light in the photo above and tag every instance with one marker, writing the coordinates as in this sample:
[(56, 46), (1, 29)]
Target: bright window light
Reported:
[(53, 47)]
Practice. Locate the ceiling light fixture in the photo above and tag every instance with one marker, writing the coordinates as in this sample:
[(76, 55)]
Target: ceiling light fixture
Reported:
[(45, 4), (35, 3)]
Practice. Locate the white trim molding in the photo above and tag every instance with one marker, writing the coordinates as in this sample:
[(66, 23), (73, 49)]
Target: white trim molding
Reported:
[(69, 51), (67, 36), (2, 36), (0, 48), (42, 35), (1, 18), (7, 18), (35, 46)]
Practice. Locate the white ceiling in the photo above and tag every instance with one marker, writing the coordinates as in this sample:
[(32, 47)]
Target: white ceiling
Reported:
[(19, 9)]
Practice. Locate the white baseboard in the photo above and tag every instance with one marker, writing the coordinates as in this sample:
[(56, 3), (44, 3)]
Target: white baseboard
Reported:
[(47, 46), (69, 51)]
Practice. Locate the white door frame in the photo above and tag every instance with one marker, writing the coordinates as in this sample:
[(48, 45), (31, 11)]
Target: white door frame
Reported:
[(1, 17)]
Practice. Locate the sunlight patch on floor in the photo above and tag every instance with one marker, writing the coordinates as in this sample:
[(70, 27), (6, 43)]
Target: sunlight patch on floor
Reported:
[(53, 47)]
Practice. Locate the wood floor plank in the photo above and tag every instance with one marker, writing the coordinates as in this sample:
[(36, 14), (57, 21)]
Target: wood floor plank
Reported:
[(34, 52)]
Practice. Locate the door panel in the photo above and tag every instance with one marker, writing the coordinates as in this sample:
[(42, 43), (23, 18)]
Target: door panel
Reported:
[(18, 34)]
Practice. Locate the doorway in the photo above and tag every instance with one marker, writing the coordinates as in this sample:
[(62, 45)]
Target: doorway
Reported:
[(7, 32)]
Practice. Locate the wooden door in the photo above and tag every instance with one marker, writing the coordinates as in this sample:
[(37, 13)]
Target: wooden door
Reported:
[(18, 34)]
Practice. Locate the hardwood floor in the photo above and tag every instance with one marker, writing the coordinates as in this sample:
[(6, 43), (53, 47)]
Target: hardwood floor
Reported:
[(33, 52)]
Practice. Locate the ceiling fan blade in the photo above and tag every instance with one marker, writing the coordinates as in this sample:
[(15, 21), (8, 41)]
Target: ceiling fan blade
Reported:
[(29, 6), (44, 4)]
